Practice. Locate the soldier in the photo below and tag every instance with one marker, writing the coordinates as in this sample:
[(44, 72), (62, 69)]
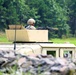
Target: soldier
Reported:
[(31, 23)]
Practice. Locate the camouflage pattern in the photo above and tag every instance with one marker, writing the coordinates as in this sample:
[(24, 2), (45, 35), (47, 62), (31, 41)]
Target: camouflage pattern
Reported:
[(30, 27)]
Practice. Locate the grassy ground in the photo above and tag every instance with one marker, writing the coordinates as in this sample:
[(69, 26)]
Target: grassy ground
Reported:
[(3, 38), (68, 40)]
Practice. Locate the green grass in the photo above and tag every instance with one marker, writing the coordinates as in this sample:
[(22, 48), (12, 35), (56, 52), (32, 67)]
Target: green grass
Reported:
[(70, 40), (3, 38)]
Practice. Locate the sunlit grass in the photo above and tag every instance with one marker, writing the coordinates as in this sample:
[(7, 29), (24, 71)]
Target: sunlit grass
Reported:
[(68, 40), (3, 38)]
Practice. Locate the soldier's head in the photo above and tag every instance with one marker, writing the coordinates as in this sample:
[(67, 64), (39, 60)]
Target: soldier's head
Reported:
[(31, 21)]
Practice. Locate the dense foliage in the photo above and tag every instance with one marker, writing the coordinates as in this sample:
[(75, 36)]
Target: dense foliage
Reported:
[(59, 14)]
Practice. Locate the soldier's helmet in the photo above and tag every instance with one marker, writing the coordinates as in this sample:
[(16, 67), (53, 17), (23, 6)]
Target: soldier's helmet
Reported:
[(31, 21)]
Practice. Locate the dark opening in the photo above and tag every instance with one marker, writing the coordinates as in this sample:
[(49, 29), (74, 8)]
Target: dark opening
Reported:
[(51, 53)]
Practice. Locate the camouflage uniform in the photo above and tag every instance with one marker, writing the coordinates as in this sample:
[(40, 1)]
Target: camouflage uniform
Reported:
[(30, 27)]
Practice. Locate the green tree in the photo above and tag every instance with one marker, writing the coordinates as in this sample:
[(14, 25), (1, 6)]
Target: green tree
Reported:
[(52, 13), (8, 14), (2, 14), (61, 17), (72, 16)]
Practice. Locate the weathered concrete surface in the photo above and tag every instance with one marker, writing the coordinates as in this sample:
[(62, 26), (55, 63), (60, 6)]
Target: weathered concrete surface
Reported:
[(23, 48), (36, 48)]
